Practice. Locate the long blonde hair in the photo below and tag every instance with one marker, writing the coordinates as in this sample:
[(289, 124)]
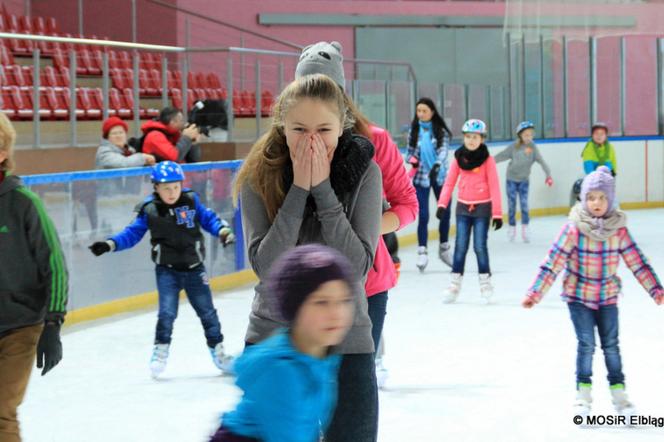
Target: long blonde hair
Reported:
[(7, 140), (264, 166)]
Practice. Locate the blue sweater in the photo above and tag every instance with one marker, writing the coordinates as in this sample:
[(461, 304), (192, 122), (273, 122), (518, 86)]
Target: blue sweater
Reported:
[(288, 396)]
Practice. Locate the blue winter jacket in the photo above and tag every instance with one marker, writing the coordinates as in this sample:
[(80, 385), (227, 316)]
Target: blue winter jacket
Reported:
[(288, 395)]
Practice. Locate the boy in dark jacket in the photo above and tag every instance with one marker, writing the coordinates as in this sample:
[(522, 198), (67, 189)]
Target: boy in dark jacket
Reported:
[(33, 288), (174, 217)]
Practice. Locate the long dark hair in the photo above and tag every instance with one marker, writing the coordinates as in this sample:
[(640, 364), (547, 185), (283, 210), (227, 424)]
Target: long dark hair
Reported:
[(438, 124)]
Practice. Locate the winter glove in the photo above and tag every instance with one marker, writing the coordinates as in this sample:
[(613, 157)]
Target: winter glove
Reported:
[(549, 181), (49, 347), (440, 212), (100, 247), (497, 223), (226, 236), (414, 162), (433, 174)]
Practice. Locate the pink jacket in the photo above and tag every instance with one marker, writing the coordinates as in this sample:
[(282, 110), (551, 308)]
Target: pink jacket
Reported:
[(476, 186), (399, 192)]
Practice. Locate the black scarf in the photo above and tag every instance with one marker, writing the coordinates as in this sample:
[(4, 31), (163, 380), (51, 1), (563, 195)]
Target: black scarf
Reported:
[(471, 159), (351, 159)]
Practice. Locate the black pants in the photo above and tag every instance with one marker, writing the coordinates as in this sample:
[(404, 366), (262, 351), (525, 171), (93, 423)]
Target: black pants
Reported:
[(377, 310), (356, 415)]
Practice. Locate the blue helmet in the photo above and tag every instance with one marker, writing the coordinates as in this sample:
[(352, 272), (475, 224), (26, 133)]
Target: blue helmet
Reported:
[(167, 172), (474, 126), (523, 126)]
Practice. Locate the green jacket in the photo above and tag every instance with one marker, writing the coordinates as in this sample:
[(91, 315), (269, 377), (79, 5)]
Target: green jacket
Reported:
[(33, 273), (595, 155)]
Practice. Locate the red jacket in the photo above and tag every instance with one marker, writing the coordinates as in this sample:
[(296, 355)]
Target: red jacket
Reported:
[(160, 140), (399, 192), (476, 186)]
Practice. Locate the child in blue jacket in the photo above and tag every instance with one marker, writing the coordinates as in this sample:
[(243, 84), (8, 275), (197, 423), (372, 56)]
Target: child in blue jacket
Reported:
[(290, 380), (174, 217)]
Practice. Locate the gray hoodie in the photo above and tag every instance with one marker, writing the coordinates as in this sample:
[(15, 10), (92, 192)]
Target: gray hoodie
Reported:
[(521, 161), (33, 272), (110, 156), (351, 226)]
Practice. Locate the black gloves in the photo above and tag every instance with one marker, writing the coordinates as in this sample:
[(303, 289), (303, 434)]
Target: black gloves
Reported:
[(49, 347), (99, 248), (433, 174), (497, 223), (440, 212)]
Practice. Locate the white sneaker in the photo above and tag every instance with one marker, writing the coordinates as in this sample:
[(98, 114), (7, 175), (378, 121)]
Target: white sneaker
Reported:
[(525, 233), (422, 258), (221, 360), (583, 401), (381, 373), (445, 253), (620, 402), (452, 292), (511, 233), (159, 359), (486, 289)]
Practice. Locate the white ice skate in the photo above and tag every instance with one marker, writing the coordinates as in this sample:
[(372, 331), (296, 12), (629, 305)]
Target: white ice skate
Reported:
[(583, 401), (511, 233), (422, 258), (486, 289), (452, 292), (159, 359), (620, 402), (381, 373), (525, 233), (221, 360), (445, 253)]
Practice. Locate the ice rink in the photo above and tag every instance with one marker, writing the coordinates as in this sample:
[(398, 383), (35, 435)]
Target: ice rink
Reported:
[(461, 372)]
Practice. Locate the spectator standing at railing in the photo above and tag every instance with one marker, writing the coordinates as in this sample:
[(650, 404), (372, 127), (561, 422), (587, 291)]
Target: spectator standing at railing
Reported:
[(33, 288), (114, 152), (169, 138)]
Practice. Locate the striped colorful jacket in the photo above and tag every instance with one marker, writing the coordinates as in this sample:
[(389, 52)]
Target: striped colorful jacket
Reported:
[(591, 266)]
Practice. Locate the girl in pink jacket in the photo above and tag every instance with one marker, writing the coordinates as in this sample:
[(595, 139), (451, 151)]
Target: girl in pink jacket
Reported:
[(478, 204)]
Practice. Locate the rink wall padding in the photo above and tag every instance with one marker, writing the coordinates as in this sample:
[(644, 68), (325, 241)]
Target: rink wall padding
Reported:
[(639, 180), (124, 282)]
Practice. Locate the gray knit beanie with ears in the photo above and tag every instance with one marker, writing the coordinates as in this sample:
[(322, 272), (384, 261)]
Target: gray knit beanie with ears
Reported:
[(322, 58)]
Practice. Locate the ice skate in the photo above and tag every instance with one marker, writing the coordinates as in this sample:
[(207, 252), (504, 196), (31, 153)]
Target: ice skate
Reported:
[(445, 253), (525, 233), (620, 401), (583, 401), (422, 258), (452, 292), (221, 360), (511, 233), (486, 289), (159, 359), (381, 373)]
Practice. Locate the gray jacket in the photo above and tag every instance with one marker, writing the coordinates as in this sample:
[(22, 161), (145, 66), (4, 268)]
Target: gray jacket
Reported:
[(110, 156), (521, 161), (351, 226)]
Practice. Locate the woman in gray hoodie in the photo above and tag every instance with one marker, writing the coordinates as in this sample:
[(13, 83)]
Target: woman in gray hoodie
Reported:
[(310, 180)]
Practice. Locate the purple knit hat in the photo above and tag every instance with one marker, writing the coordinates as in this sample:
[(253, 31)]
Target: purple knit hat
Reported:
[(599, 180), (300, 271)]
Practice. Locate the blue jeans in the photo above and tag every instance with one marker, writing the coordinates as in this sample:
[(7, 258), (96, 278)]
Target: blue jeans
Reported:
[(195, 284), (480, 228), (606, 320), (423, 221), (377, 311), (520, 189)]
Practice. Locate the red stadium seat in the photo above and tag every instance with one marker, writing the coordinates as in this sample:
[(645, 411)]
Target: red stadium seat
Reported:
[(39, 24), (128, 96), (83, 102), (6, 56), (23, 109), (97, 99), (65, 101), (51, 25), (59, 110), (116, 103), (25, 25), (62, 75), (213, 81), (146, 86), (267, 100)]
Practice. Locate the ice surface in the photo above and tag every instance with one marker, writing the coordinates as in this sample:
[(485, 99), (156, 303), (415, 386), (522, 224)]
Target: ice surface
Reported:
[(460, 372)]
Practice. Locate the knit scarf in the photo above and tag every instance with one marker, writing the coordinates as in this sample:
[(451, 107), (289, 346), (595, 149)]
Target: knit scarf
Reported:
[(599, 229), (471, 159), (427, 149)]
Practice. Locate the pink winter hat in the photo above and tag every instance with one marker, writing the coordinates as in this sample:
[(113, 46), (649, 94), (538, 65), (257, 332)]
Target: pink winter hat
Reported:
[(599, 180)]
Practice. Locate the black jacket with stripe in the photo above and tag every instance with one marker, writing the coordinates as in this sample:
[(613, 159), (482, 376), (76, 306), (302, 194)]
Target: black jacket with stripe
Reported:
[(33, 273)]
